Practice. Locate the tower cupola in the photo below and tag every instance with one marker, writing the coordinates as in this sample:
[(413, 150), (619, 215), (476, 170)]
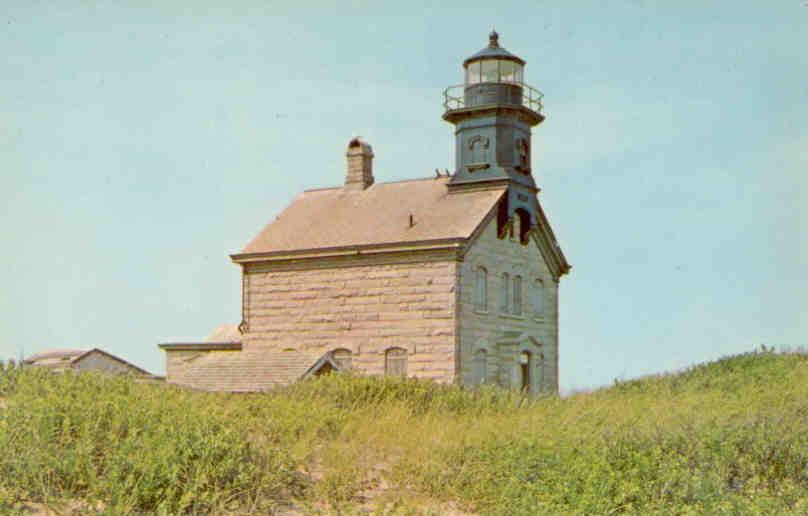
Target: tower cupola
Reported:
[(493, 112)]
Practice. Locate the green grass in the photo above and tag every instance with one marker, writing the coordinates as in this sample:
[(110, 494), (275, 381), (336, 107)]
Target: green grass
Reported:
[(728, 437)]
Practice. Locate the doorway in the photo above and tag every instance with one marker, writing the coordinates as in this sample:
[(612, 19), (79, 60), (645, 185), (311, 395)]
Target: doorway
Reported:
[(525, 361)]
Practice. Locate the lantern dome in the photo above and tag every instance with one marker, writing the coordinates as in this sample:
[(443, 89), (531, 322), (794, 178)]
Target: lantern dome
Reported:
[(494, 51)]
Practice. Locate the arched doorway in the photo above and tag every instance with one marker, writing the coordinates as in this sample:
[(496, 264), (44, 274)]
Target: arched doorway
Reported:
[(525, 364)]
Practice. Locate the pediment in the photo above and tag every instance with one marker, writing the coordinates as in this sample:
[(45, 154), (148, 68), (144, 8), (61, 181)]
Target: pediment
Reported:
[(518, 339)]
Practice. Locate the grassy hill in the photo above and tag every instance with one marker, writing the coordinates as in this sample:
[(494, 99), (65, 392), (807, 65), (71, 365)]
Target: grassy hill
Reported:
[(728, 437)]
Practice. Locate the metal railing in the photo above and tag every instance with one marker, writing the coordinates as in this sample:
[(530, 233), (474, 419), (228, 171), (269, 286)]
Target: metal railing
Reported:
[(454, 96)]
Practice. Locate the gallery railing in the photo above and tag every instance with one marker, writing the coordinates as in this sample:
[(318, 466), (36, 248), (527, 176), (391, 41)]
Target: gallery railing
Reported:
[(471, 95)]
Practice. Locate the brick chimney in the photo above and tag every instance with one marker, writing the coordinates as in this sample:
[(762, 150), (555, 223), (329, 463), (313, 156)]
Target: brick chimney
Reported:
[(360, 165)]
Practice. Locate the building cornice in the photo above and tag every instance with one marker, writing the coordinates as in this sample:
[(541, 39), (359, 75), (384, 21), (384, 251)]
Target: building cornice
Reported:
[(527, 115), (349, 251), (443, 254), (476, 185)]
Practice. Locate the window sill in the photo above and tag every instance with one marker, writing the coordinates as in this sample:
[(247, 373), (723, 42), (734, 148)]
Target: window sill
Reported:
[(480, 312), (512, 316)]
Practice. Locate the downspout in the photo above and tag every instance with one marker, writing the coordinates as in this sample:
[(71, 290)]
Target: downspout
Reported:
[(243, 326)]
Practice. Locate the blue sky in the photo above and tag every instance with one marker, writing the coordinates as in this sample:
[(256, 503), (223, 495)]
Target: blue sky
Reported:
[(143, 142)]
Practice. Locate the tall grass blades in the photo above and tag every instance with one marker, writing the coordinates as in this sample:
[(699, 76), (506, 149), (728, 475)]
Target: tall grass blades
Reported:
[(729, 437)]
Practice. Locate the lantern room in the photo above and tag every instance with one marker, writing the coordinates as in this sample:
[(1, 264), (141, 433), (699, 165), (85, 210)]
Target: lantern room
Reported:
[(493, 64), (493, 76)]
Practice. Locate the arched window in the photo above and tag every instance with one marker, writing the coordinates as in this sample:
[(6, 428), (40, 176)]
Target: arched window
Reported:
[(343, 358), (537, 298), (504, 293), (480, 367), (395, 362), (517, 295), (481, 289)]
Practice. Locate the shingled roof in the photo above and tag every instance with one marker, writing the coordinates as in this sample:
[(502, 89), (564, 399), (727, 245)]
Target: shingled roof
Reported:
[(252, 370), (375, 216)]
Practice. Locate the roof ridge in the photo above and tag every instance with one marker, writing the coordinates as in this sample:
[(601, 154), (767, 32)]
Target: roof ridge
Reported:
[(411, 180)]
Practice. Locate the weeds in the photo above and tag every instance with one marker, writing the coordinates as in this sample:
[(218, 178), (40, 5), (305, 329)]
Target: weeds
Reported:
[(727, 437)]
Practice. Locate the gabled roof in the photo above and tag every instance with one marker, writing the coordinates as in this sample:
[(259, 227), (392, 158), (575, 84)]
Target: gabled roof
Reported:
[(252, 370), (334, 218), (64, 358)]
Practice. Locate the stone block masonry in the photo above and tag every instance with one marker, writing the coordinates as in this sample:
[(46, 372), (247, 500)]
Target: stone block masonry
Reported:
[(486, 329), (359, 305)]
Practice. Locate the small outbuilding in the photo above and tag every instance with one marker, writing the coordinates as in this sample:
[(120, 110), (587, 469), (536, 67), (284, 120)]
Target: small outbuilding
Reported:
[(85, 360)]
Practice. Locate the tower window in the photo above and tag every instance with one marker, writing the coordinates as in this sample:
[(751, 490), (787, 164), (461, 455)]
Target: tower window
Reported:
[(523, 152), (524, 224), (504, 293), (395, 362), (481, 289)]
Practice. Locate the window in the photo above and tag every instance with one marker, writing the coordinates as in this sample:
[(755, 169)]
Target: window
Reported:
[(524, 224), (478, 145), (504, 294), (537, 298), (342, 357), (480, 366), (395, 362), (481, 290), (517, 295)]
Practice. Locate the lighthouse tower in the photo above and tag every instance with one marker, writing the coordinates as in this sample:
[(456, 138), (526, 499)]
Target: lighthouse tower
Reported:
[(493, 112)]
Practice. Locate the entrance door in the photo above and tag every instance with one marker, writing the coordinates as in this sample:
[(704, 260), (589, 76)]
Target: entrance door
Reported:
[(524, 366)]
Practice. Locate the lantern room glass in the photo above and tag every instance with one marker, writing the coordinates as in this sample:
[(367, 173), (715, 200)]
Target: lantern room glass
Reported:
[(489, 70), (507, 71), (473, 73), (493, 70)]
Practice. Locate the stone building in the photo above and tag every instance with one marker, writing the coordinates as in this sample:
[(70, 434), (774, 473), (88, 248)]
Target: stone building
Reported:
[(453, 277)]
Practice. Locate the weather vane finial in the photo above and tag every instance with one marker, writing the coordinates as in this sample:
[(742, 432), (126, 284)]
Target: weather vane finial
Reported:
[(493, 39)]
